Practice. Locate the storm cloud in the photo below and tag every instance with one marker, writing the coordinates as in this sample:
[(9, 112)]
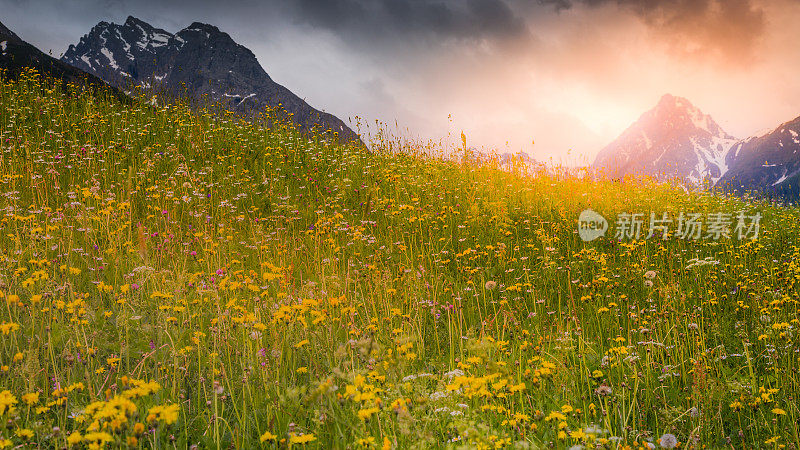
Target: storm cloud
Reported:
[(726, 29), (403, 21)]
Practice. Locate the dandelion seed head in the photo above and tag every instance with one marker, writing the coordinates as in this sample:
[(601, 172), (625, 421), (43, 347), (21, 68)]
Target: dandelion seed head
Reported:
[(668, 440)]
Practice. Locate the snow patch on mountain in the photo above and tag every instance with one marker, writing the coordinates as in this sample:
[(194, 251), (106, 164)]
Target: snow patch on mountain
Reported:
[(647, 142), (159, 39), (111, 61)]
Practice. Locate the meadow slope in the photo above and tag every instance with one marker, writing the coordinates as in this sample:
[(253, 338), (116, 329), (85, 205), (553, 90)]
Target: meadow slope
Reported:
[(171, 278)]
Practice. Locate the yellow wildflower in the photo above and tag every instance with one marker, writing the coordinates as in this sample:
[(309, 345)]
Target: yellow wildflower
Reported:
[(267, 436), (31, 398), (778, 412), (302, 439), (7, 401), (75, 438), (25, 433)]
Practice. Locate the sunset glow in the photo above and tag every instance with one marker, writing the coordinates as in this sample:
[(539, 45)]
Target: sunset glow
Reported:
[(567, 75)]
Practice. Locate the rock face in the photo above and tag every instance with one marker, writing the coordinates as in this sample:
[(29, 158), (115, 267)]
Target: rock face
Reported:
[(200, 62), (769, 163), (673, 140), (16, 55)]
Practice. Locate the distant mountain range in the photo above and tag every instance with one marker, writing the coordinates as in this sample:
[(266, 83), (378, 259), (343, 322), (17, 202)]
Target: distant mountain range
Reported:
[(675, 140), (16, 55), (199, 60)]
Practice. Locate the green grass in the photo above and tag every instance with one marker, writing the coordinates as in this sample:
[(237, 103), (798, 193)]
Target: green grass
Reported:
[(275, 289)]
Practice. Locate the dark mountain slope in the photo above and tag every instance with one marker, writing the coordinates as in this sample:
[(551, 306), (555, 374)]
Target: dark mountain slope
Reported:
[(769, 163), (16, 55)]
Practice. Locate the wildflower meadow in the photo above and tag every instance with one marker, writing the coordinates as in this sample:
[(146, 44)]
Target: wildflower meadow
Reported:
[(176, 278)]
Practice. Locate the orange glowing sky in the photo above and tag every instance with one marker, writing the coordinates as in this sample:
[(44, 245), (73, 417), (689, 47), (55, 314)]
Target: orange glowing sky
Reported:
[(569, 75)]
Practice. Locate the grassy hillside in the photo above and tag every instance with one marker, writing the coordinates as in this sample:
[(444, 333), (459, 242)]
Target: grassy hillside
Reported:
[(171, 279)]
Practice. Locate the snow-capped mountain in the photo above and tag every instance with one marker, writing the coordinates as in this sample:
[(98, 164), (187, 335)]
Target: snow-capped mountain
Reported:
[(769, 162), (199, 61), (673, 140)]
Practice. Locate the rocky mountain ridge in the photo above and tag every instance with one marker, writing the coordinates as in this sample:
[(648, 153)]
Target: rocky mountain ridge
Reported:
[(200, 62)]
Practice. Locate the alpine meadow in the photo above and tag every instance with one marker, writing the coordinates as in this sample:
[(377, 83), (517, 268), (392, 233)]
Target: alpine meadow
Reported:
[(173, 278)]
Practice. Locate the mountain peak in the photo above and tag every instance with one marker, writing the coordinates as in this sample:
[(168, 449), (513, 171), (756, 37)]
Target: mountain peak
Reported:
[(667, 98), (680, 114), (675, 138), (133, 21), (669, 101), (202, 27)]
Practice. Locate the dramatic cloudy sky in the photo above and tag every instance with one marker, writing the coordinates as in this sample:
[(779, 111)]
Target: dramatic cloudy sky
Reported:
[(555, 78)]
